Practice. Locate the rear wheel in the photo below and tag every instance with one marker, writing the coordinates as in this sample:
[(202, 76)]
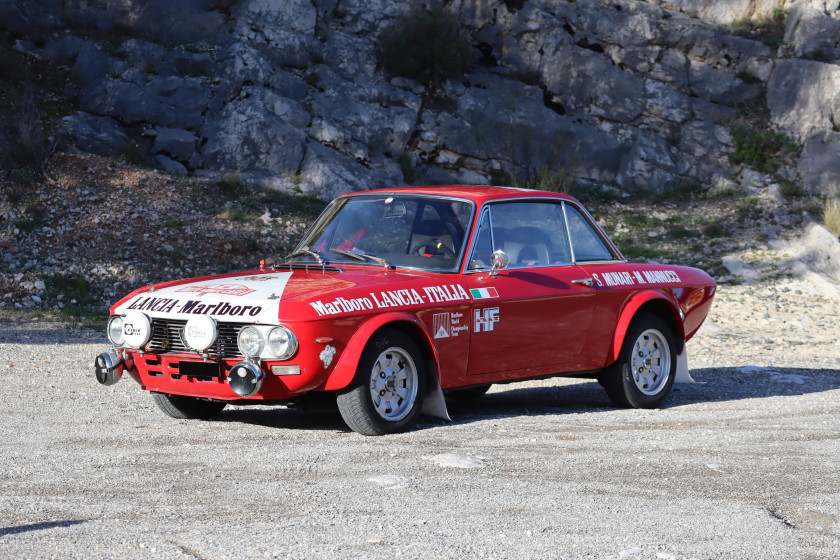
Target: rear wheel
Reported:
[(387, 393), (643, 375), (187, 408)]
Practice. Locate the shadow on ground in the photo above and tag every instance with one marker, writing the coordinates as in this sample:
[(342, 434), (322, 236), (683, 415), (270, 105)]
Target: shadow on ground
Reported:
[(713, 385)]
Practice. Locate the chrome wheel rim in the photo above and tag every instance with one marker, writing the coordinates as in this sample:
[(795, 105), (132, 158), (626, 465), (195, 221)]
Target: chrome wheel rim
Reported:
[(650, 362), (393, 384)]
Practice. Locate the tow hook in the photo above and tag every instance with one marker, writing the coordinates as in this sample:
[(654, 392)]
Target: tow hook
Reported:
[(109, 368)]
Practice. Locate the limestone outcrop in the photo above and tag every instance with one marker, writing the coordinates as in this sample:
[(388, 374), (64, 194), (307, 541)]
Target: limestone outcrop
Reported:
[(289, 93)]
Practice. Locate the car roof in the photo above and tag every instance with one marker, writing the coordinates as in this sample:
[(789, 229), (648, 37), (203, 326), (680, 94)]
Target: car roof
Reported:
[(477, 193)]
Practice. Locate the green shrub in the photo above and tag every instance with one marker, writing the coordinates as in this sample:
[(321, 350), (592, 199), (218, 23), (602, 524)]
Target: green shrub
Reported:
[(407, 166), (427, 46), (758, 149), (230, 184)]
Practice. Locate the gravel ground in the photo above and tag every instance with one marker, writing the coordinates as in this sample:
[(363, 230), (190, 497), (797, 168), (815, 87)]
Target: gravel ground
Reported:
[(743, 464)]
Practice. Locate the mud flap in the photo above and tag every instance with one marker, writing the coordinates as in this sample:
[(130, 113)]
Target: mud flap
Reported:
[(683, 376), (435, 403)]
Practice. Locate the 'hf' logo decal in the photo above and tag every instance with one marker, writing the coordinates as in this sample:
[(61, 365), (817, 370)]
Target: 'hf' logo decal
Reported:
[(485, 319)]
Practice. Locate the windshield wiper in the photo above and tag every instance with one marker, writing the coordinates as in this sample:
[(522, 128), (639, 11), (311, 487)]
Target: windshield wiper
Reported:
[(361, 257), (306, 251)]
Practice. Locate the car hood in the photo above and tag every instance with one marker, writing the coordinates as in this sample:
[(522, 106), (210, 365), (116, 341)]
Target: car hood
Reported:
[(259, 296)]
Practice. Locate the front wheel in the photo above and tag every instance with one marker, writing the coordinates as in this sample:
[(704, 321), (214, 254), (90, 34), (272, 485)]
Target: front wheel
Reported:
[(187, 408), (644, 373), (387, 393)]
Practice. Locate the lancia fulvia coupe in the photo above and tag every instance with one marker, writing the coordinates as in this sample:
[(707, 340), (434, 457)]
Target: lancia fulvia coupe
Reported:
[(395, 299)]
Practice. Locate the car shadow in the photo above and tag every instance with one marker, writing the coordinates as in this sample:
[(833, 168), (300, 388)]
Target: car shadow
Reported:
[(713, 385)]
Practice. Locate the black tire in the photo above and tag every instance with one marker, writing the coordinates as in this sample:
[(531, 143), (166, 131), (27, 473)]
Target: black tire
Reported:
[(187, 408), (469, 393), (644, 373), (391, 366)]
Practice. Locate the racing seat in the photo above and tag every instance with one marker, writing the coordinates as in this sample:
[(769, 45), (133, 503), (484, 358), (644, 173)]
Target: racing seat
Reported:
[(432, 237), (528, 245)]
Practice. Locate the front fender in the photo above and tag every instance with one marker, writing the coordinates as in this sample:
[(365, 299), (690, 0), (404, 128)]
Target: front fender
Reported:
[(347, 364), (632, 307)]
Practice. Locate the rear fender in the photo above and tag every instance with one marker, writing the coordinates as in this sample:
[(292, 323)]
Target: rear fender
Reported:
[(647, 298)]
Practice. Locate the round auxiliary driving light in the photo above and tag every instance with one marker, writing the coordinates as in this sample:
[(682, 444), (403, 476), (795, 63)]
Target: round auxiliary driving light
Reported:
[(115, 330), (200, 332), (245, 379), (282, 343), (250, 342), (108, 368), (137, 329)]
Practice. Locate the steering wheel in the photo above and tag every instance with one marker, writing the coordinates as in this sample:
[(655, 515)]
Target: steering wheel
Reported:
[(436, 245)]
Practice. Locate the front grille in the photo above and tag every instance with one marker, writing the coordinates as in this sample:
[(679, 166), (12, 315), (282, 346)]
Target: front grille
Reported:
[(166, 337)]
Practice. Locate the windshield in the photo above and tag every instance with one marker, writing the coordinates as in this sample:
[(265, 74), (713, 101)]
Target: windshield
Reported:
[(411, 231)]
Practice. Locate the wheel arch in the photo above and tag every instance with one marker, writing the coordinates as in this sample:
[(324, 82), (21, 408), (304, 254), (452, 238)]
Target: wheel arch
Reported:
[(347, 364), (653, 302)]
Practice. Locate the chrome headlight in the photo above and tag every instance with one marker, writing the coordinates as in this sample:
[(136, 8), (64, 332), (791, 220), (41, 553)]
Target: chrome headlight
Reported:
[(250, 342), (200, 332), (282, 343), (136, 329), (115, 330)]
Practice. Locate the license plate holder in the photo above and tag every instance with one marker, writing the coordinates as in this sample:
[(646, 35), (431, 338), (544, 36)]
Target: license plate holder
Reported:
[(201, 370)]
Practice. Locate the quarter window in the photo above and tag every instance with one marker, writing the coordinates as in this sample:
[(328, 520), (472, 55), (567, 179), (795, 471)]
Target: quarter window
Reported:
[(587, 244)]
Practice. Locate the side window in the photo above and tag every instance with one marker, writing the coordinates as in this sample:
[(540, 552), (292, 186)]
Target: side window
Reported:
[(483, 250), (531, 233), (587, 244)]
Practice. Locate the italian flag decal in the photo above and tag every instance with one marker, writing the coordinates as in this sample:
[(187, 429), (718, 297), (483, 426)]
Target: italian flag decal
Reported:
[(484, 293)]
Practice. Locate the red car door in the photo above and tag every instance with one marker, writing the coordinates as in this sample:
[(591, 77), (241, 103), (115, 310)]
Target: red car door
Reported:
[(537, 311), (526, 318)]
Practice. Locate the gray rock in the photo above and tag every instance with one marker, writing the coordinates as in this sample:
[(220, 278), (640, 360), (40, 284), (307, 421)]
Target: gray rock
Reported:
[(813, 33), (179, 144), (648, 165), (666, 103), (721, 87), (261, 132), (241, 64), (819, 164), (93, 65), (184, 21), (284, 30), (327, 173), (359, 128), (804, 96), (168, 101), (98, 135), (30, 15), (723, 12), (705, 141), (584, 78), (170, 166), (63, 52), (500, 121), (142, 55)]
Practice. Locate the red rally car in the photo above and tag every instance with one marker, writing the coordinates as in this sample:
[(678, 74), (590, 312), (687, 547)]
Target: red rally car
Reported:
[(397, 297)]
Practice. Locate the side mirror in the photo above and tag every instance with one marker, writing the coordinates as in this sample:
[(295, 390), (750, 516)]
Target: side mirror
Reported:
[(500, 261)]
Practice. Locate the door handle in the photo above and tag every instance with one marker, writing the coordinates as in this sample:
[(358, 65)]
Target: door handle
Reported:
[(584, 282)]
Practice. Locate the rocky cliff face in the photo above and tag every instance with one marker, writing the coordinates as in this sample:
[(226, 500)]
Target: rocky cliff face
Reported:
[(636, 95)]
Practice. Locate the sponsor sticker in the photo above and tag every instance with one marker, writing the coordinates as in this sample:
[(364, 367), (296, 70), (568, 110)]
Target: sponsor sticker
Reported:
[(223, 289), (446, 325), (484, 293), (485, 319), (387, 299), (637, 277)]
